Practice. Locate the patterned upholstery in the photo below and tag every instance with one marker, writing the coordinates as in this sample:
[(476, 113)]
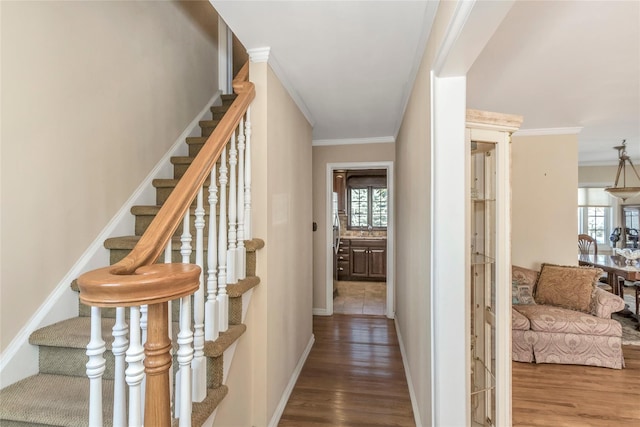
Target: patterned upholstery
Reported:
[(518, 321), (560, 335), (555, 319)]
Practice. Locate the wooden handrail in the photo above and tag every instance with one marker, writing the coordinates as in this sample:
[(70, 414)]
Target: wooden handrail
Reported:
[(126, 283)]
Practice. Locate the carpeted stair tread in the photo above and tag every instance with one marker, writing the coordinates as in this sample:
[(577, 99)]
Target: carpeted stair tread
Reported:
[(128, 242), (154, 209), (171, 183), (71, 333), (224, 341), (201, 411), (228, 98), (238, 289), (209, 123), (197, 139), (52, 400)]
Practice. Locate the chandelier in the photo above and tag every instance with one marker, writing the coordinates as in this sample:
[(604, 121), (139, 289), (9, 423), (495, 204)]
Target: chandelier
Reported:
[(623, 192)]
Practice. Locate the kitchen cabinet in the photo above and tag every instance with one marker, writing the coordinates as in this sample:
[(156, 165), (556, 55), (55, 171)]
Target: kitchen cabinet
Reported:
[(367, 259), (340, 187), (342, 260)]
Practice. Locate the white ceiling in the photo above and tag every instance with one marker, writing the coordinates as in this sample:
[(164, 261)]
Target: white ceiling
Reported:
[(350, 65), (564, 64)]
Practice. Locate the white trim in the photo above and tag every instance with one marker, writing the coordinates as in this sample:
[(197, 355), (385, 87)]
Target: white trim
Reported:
[(599, 163), (351, 141), (407, 373), (451, 398), (388, 165), (275, 419), (321, 312), (259, 54), (17, 361), (548, 131), (453, 32), (223, 56), (264, 54)]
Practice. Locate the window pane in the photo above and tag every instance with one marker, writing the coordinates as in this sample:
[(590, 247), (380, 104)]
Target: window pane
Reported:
[(379, 207), (596, 223), (359, 207)]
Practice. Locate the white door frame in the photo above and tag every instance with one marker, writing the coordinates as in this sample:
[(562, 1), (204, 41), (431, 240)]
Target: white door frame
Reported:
[(388, 166), (470, 28)]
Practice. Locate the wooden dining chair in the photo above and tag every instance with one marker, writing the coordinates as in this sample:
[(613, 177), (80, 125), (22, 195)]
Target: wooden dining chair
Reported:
[(586, 243)]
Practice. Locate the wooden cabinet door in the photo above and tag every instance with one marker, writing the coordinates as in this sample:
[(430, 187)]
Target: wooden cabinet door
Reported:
[(340, 187), (378, 263), (359, 261)]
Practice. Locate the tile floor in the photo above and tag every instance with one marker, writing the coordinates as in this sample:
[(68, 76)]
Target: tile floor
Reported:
[(360, 298)]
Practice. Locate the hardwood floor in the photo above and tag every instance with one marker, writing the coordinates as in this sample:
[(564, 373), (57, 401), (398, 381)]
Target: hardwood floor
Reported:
[(353, 376), (568, 395)]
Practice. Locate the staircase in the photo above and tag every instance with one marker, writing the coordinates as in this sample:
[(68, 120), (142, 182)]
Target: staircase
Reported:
[(59, 394)]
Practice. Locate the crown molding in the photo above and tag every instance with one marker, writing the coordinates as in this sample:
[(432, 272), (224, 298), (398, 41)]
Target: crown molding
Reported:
[(548, 131), (353, 141), (263, 54), (259, 54)]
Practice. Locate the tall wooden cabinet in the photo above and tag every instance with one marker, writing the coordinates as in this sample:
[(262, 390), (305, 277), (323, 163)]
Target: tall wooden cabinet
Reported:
[(488, 293)]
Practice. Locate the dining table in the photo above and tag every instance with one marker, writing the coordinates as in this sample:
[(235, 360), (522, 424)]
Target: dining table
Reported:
[(615, 266)]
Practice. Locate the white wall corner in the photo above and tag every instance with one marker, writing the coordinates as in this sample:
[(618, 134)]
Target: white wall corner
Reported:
[(275, 419), (259, 54)]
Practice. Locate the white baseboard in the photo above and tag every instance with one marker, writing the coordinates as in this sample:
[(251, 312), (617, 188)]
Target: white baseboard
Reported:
[(412, 394), (321, 312), (275, 419), (19, 360)]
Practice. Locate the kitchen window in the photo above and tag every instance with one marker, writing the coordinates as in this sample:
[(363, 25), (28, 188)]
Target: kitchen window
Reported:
[(367, 207)]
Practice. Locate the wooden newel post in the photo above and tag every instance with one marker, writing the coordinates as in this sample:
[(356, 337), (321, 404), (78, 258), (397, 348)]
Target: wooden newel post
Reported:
[(157, 408)]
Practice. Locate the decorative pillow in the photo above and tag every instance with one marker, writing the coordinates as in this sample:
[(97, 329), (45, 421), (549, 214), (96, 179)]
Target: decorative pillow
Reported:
[(524, 276), (521, 293), (566, 286)]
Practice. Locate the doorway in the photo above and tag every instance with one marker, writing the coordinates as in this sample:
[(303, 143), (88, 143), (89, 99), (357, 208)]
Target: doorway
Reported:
[(360, 268)]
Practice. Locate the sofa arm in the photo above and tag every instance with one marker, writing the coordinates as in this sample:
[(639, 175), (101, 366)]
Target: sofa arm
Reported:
[(604, 303)]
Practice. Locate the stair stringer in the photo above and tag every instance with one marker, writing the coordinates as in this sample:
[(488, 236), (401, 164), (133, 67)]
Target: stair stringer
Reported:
[(20, 359), (227, 358)]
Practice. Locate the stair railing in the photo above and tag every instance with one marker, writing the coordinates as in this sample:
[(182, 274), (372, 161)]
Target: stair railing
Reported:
[(142, 285)]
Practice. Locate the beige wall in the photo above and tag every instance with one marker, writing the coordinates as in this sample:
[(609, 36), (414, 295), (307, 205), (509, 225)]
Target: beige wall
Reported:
[(544, 200), (323, 155), (94, 93), (282, 202), (413, 217)]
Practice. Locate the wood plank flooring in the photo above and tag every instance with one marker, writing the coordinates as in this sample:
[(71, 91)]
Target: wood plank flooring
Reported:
[(571, 396), (353, 376)]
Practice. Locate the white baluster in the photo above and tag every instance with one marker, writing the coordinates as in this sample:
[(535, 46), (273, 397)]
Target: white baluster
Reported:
[(185, 340), (248, 231), (119, 347), (241, 252), (233, 206), (211, 307), (143, 328), (135, 371), (199, 365), (167, 260), (223, 298), (95, 367)]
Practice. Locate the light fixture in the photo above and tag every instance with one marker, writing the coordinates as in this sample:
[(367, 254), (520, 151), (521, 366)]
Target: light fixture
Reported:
[(623, 192)]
